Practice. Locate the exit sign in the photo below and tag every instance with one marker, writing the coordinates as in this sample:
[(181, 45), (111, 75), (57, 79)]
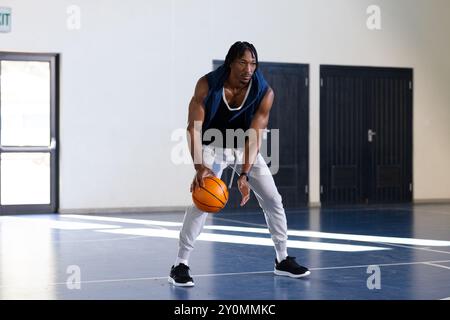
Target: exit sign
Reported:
[(5, 19)]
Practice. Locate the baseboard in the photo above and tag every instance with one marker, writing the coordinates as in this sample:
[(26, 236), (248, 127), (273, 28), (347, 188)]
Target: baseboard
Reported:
[(314, 205), (122, 210), (431, 201)]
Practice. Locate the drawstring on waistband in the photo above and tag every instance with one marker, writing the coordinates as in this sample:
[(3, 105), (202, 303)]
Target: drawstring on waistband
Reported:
[(234, 169)]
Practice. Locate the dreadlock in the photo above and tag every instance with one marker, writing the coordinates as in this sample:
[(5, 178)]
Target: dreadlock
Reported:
[(237, 50)]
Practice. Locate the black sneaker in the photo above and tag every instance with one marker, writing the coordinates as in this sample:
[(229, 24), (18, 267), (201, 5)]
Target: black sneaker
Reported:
[(289, 267), (179, 276)]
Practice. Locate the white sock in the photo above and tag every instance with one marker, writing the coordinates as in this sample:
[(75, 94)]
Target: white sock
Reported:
[(179, 260), (281, 256)]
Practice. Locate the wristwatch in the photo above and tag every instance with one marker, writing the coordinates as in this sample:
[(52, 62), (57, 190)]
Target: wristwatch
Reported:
[(244, 174)]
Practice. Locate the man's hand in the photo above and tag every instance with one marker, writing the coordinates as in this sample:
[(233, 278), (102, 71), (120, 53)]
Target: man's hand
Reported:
[(244, 188), (202, 173)]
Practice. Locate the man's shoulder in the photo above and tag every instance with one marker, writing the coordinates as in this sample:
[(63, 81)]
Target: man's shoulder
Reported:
[(203, 79), (202, 83), (267, 92), (202, 87)]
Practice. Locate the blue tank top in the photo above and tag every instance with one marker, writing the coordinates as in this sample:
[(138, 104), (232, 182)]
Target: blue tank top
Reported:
[(224, 120), (230, 119)]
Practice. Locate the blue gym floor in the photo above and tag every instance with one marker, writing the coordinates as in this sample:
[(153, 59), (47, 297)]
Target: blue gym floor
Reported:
[(128, 256)]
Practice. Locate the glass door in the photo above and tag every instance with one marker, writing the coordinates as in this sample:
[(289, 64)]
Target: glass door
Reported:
[(28, 133)]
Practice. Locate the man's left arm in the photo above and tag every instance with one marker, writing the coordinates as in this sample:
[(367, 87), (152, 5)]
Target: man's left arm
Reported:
[(253, 143)]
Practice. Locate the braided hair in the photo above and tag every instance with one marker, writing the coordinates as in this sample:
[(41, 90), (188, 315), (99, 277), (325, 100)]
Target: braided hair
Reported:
[(237, 50)]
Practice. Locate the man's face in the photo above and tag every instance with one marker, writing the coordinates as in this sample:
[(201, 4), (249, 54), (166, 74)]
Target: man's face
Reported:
[(244, 67)]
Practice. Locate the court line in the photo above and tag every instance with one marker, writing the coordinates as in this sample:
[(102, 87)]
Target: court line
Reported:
[(54, 224), (327, 210), (235, 273), (436, 265), (384, 243), (416, 248), (108, 239), (329, 268), (338, 236), (123, 220), (95, 240), (242, 222), (261, 241)]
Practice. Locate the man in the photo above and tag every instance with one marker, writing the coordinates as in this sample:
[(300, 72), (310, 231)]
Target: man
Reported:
[(237, 97)]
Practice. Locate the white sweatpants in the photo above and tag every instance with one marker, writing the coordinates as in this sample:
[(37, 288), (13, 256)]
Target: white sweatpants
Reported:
[(261, 183)]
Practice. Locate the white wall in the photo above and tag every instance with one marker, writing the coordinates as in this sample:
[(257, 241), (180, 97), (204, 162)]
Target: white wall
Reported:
[(128, 74)]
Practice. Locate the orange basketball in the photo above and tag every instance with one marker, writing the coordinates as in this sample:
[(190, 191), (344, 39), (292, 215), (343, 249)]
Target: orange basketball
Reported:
[(212, 197)]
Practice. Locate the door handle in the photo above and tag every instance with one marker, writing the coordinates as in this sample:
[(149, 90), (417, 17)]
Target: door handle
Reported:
[(370, 135)]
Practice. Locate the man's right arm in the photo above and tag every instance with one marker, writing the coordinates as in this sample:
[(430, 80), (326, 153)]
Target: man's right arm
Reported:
[(195, 121)]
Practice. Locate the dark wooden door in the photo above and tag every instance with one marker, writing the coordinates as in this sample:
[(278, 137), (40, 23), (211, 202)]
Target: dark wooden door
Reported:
[(365, 135), (390, 121)]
